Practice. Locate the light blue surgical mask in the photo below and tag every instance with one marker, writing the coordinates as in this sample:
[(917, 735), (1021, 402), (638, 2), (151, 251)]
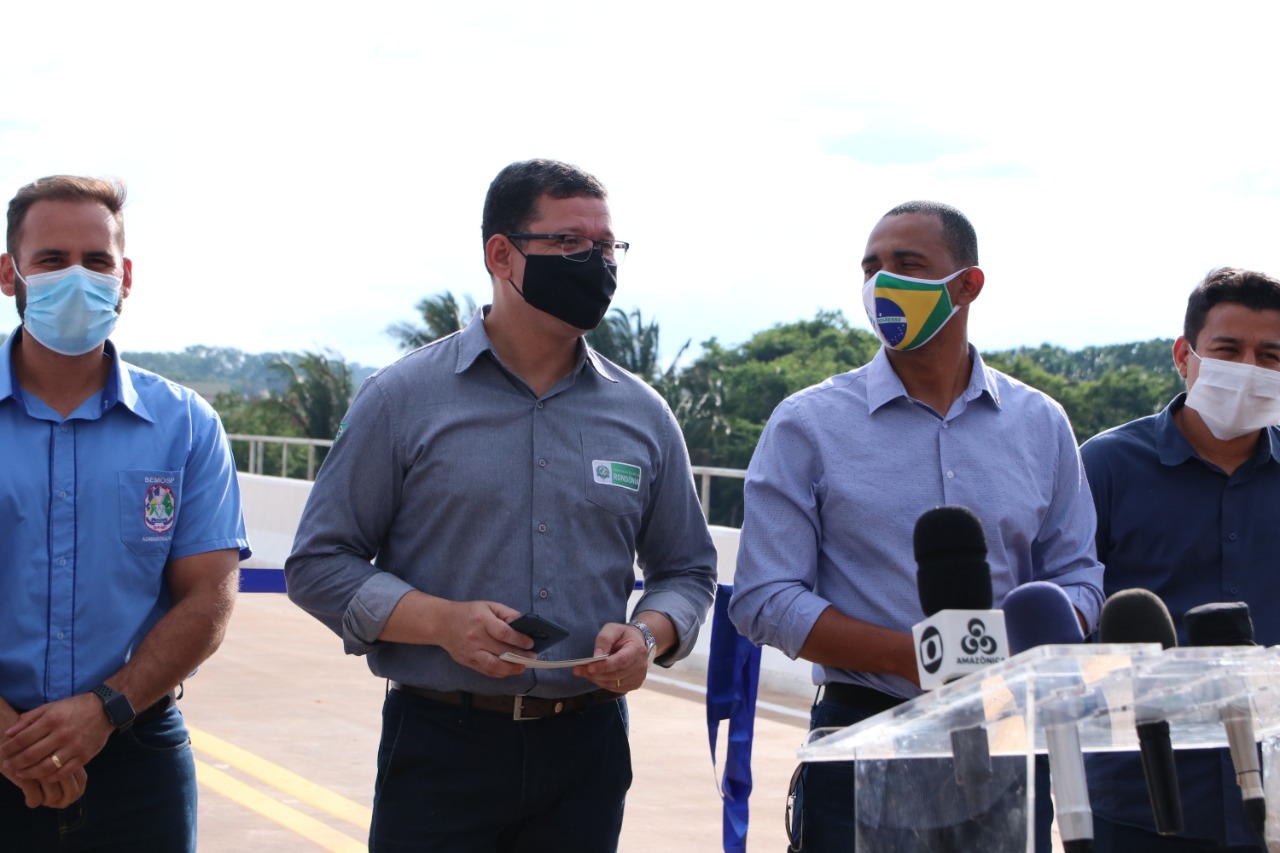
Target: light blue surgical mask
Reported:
[(72, 310)]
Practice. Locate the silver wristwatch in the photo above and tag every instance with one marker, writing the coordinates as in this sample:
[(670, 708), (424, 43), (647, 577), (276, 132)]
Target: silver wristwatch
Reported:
[(650, 643)]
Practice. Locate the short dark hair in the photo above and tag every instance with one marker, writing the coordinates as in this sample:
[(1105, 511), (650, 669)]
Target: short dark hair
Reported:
[(1254, 290), (109, 192), (512, 201), (957, 230)]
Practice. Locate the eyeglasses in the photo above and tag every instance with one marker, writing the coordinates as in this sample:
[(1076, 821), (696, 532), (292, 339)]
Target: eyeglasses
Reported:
[(578, 248)]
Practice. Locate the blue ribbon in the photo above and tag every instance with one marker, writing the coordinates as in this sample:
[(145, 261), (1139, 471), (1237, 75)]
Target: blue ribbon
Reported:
[(733, 676)]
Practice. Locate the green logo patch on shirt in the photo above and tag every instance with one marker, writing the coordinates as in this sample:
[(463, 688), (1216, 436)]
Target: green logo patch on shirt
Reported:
[(616, 474)]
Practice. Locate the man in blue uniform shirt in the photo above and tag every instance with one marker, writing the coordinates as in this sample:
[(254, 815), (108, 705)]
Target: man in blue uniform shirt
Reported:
[(122, 535), (844, 469), (1187, 506), (505, 469)]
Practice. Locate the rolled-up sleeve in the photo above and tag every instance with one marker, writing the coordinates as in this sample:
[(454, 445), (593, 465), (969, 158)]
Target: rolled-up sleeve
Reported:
[(674, 549), (352, 505)]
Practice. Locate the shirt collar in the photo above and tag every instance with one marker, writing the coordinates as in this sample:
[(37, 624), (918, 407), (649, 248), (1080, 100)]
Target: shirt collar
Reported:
[(1174, 449), (119, 387), (473, 341), (884, 386)]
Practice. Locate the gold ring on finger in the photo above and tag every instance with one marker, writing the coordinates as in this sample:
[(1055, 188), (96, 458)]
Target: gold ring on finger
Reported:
[(57, 762)]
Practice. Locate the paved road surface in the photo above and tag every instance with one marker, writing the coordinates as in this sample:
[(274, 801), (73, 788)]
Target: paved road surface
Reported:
[(285, 728)]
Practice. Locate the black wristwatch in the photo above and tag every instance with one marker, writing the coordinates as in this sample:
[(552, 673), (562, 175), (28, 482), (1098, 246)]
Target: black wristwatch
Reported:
[(119, 712)]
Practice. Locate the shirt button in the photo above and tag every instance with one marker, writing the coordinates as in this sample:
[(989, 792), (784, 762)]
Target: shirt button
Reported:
[(1231, 536), (62, 428), (540, 404), (1234, 590), (944, 424), (62, 562), (951, 475), (542, 463), (542, 528), (62, 494), (542, 593), (60, 635)]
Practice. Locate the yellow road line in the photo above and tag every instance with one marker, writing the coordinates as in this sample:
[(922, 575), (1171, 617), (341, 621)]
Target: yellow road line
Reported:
[(291, 819), (298, 787)]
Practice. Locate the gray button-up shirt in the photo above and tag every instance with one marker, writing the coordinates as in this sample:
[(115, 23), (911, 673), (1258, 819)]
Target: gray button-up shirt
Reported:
[(455, 479)]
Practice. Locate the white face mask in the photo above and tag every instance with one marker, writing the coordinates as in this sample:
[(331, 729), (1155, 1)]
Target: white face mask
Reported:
[(1235, 399)]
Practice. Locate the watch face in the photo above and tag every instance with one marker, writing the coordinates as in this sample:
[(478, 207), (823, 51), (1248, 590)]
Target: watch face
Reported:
[(119, 711)]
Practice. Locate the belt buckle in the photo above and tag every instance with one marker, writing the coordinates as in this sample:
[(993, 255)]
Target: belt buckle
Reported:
[(517, 711)]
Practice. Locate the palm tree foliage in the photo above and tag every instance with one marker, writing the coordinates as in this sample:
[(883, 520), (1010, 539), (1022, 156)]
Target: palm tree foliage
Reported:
[(441, 315)]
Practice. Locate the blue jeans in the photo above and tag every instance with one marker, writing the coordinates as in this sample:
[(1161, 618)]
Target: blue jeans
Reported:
[(141, 795), (823, 813), (454, 779)]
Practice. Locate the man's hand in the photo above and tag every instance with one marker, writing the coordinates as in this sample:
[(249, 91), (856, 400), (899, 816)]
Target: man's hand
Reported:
[(627, 666), (74, 730), (474, 633)]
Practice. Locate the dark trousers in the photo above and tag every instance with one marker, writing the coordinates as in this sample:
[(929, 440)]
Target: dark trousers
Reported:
[(1109, 837), (824, 818), (141, 795), (456, 779)]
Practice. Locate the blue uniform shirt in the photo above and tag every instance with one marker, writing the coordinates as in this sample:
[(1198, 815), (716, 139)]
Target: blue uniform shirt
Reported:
[(845, 468), (1174, 524), (93, 507)]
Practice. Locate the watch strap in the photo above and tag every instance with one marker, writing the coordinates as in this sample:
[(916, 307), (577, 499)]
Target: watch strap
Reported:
[(650, 643)]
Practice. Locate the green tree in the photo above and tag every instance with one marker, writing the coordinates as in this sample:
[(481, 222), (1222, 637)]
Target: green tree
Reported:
[(441, 315), (724, 398), (317, 391), (631, 343)]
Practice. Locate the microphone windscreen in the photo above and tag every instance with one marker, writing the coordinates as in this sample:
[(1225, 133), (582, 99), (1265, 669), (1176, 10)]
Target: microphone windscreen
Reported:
[(1040, 613), (1136, 616), (1223, 623), (951, 552)]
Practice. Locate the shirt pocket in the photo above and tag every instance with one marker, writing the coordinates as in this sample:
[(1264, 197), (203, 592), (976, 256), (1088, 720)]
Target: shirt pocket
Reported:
[(615, 475), (149, 504)]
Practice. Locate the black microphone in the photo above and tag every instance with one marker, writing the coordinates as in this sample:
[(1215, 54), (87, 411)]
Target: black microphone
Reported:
[(961, 633), (1139, 616), (1229, 624), (1038, 614)]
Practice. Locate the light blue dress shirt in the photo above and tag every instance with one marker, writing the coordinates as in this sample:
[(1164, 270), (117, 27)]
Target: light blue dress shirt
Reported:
[(92, 507), (845, 468), (455, 479)]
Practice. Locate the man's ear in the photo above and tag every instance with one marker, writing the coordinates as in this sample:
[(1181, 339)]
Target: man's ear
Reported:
[(127, 281), (1181, 352), (499, 257), (971, 281), (7, 277)]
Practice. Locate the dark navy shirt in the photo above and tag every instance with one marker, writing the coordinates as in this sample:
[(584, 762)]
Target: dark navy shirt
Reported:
[(1170, 522)]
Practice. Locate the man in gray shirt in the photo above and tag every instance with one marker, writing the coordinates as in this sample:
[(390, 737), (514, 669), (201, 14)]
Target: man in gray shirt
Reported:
[(509, 469)]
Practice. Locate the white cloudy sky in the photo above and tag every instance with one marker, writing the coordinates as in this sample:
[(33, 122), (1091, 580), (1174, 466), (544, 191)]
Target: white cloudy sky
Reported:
[(302, 173)]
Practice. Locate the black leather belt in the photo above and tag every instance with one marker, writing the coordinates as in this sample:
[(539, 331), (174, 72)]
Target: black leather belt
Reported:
[(519, 707), (156, 708), (859, 697)]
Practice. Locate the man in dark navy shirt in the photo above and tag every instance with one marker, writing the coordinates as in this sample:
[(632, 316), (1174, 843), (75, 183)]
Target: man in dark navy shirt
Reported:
[(1187, 505)]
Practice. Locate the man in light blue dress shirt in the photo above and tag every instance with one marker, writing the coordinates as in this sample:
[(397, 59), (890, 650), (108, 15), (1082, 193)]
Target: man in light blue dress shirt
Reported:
[(122, 533), (844, 469)]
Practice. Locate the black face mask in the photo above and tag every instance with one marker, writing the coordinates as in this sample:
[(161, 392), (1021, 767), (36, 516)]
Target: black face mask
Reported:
[(577, 292)]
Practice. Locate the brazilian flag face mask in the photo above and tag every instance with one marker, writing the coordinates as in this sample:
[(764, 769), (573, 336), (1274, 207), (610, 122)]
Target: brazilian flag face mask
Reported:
[(907, 312)]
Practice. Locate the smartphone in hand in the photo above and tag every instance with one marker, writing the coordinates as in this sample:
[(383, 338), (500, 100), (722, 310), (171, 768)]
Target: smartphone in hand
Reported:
[(543, 632)]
